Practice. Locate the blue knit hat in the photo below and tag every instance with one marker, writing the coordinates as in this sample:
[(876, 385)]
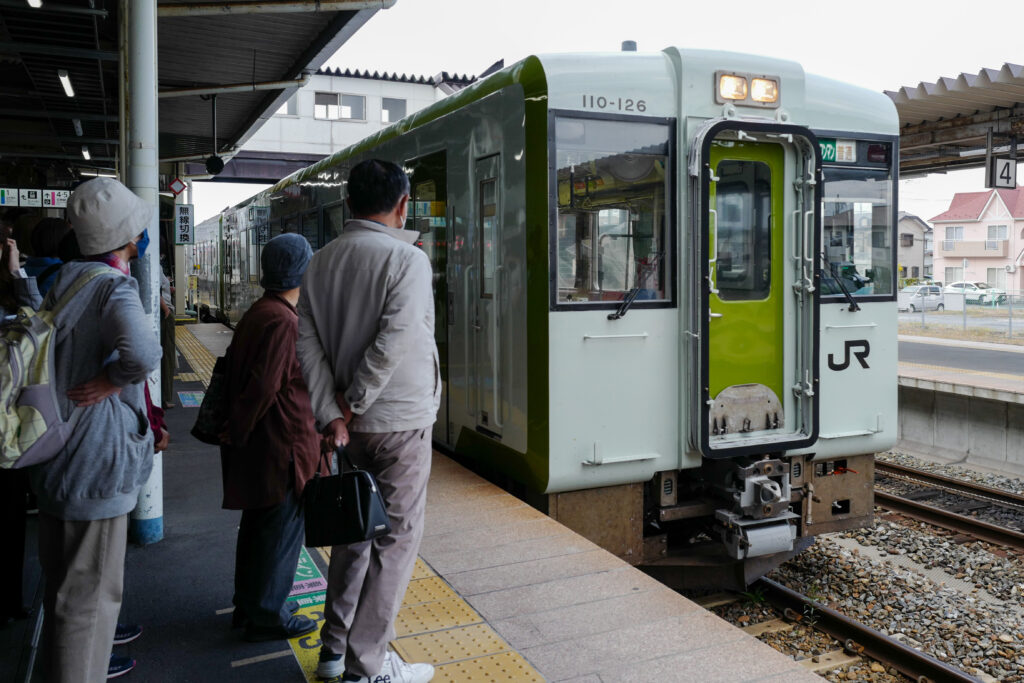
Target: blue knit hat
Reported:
[(284, 260)]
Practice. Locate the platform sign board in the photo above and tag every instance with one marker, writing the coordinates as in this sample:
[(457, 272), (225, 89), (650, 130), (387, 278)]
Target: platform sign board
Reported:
[(184, 228), (55, 199), (8, 196), (30, 197), (1004, 174)]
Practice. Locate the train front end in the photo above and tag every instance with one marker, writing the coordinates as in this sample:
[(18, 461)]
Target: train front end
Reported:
[(751, 231)]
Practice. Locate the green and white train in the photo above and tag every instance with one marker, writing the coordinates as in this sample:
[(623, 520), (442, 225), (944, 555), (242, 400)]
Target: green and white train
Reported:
[(664, 291)]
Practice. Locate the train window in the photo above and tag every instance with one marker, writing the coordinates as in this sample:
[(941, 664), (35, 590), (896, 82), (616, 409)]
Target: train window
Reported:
[(743, 267), (334, 220), (488, 234), (614, 205), (857, 224)]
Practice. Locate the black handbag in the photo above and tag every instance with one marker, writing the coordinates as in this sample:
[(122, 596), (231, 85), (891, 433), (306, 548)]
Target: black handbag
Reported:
[(344, 508), (213, 411)]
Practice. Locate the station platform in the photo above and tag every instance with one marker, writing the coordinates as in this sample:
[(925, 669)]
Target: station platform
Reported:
[(997, 386), (501, 592)]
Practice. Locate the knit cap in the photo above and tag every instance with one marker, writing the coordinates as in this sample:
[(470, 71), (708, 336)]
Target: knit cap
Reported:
[(284, 260)]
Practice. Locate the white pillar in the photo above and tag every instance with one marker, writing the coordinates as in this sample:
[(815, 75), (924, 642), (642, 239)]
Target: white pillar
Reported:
[(139, 69)]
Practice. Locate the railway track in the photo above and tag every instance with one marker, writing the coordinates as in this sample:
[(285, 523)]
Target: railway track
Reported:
[(952, 504), (856, 641)]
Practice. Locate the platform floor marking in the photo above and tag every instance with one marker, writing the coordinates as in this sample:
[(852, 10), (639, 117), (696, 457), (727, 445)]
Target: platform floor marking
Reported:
[(187, 377), (261, 658)]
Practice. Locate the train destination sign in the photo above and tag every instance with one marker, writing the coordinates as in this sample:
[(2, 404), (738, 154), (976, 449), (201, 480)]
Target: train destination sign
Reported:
[(838, 151)]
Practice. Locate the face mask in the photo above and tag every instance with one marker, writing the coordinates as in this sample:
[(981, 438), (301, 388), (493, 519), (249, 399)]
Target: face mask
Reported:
[(142, 243)]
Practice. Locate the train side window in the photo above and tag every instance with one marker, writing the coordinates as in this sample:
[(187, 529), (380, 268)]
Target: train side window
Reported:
[(614, 202), (334, 220), (856, 219), (743, 268), (488, 234)]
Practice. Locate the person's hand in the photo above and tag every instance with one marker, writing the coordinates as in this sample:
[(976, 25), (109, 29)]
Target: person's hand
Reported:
[(98, 389), (165, 438), (13, 256), (165, 309), (335, 434), (346, 412)]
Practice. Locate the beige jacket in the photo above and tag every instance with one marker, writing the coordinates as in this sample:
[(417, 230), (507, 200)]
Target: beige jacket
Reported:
[(366, 328)]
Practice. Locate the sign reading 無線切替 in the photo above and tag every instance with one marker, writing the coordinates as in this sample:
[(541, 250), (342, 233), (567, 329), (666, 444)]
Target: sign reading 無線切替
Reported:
[(184, 227)]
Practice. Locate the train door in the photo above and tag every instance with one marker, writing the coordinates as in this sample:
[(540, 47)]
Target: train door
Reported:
[(311, 227), (486, 295), (428, 215), (757, 360)]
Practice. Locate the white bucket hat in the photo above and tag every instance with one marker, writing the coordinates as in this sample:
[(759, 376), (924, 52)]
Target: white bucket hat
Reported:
[(106, 215)]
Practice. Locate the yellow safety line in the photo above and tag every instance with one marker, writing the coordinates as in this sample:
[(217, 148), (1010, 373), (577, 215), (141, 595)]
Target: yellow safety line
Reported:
[(197, 355), (962, 371), (435, 623)]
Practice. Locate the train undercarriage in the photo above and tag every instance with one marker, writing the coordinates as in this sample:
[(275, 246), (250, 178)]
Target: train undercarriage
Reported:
[(727, 523)]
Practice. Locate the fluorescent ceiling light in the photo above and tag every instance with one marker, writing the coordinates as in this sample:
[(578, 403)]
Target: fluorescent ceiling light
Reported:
[(65, 81), (36, 4), (78, 127), (85, 152)]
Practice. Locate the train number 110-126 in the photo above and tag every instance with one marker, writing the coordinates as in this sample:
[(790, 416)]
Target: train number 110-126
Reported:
[(617, 103)]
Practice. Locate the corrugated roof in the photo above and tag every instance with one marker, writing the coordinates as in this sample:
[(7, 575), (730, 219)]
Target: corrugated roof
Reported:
[(963, 95), (443, 77), (943, 125)]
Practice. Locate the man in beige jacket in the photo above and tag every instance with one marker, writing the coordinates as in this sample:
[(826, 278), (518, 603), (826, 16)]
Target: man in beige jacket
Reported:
[(366, 345)]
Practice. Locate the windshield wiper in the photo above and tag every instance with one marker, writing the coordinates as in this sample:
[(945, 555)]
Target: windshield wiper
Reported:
[(627, 301), (839, 281)]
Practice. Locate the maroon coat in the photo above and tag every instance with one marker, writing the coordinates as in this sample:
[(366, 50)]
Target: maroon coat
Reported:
[(270, 420)]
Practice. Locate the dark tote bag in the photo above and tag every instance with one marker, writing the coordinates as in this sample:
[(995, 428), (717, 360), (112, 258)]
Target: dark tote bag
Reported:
[(213, 412), (344, 508)]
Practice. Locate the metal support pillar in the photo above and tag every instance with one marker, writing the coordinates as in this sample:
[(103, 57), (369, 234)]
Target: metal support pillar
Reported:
[(141, 173)]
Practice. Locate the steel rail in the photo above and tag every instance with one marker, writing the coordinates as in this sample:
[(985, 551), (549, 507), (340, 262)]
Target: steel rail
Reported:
[(859, 639), (951, 520), (958, 486)]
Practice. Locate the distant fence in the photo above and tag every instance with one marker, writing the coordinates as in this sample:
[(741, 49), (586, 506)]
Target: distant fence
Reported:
[(975, 314)]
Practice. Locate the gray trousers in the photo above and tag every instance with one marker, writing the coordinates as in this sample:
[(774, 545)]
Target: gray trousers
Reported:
[(269, 543), (367, 581), (83, 565)]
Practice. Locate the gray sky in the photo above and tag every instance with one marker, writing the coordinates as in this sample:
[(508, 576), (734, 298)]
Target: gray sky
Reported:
[(881, 45)]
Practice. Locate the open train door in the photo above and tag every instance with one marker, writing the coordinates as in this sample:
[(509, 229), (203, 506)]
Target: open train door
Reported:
[(754, 272)]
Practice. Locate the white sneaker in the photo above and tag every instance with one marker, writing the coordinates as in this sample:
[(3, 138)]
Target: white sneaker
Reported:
[(395, 670)]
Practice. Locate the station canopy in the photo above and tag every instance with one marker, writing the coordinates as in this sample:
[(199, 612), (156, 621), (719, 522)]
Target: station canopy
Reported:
[(202, 47), (945, 125)]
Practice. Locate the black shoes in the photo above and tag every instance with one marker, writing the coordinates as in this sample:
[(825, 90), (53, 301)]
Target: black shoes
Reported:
[(239, 619), (126, 633), (296, 626)]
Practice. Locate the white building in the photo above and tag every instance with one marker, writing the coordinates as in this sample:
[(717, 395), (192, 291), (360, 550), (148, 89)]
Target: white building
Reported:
[(338, 108), (985, 231), (914, 253)]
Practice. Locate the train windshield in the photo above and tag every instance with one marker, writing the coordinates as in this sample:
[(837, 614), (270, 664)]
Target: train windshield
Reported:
[(614, 204), (857, 222)]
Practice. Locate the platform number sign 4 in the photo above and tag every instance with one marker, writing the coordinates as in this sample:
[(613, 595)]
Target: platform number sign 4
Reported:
[(183, 224), (1004, 173)]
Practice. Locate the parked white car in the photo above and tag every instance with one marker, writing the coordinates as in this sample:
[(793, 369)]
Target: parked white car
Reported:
[(920, 298), (977, 292)]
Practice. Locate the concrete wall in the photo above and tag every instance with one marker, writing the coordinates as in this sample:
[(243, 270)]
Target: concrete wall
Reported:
[(960, 425)]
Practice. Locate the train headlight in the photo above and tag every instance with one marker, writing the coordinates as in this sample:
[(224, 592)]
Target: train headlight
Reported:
[(732, 87), (764, 90)]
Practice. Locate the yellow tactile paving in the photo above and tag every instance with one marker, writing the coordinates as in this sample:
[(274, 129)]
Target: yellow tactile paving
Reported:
[(435, 616), (197, 355), (427, 590), (188, 377), (506, 666), (453, 645)]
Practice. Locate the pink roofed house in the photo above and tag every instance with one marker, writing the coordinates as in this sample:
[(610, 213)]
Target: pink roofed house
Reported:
[(987, 229)]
